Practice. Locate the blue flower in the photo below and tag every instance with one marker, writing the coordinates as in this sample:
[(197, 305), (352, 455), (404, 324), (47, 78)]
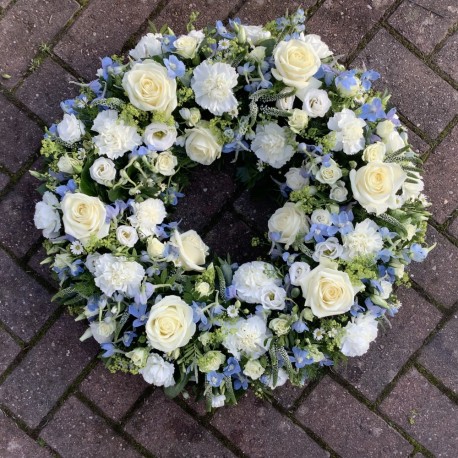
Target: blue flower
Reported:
[(300, 358), (175, 68), (282, 23), (168, 43), (240, 382), (356, 309), (63, 189), (246, 69), (384, 255), (222, 31), (320, 231), (215, 378), (391, 116), (128, 338), (109, 348), (232, 368), (299, 326), (343, 221), (372, 111), (374, 309), (347, 80), (138, 312), (367, 78), (418, 253), (230, 292)]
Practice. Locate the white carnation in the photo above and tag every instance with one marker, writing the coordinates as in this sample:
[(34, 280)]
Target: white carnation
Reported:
[(365, 240), (147, 215), (70, 129), (47, 216), (359, 333), (148, 46), (157, 371), (349, 131)]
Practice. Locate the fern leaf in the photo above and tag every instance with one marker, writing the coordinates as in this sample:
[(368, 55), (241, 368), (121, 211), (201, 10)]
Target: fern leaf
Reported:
[(274, 360), (222, 282)]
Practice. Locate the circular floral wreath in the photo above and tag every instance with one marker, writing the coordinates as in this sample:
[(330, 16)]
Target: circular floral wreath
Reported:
[(278, 101)]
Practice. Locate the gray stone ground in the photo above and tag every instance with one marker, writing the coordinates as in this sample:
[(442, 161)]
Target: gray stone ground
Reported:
[(56, 399)]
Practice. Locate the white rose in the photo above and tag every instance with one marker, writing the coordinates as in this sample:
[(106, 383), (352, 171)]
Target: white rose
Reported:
[(330, 248), (191, 116), (147, 215), (375, 152), (280, 326), (255, 34), (165, 163), (70, 129), (149, 88), (155, 248), (273, 297), (170, 324), (329, 175), (201, 145), (103, 331), (316, 103), (127, 236), (385, 128), (295, 62), (339, 192), (192, 250), (295, 180), (187, 45), (319, 46), (297, 272), (253, 369), (375, 185), (138, 356), (103, 171), (84, 216), (286, 103), (47, 217), (148, 46), (160, 136), (289, 221), (359, 333), (328, 291), (321, 216), (157, 371), (298, 120)]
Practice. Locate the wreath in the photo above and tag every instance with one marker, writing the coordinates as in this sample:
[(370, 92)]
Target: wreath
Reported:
[(276, 100)]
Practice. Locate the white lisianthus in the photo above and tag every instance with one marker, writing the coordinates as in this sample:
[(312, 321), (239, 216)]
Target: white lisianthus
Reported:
[(359, 333), (157, 371), (47, 217), (321, 216), (295, 62), (116, 273), (191, 116), (273, 297), (187, 45), (297, 272), (289, 222), (329, 175), (192, 251), (298, 121), (327, 291), (251, 277), (282, 378), (127, 236), (375, 152), (330, 248), (66, 164), (411, 191), (385, 128), (103, 171), (70, 129), (149, 87), (319, 46), (201, 144), (375, 185), (165, 163), (338, 192), (149, 46), (155, 248), (253, 369), (393, 142), (387, 289), (115, 137), (103, 331), (247, 336), (286, 103), (160, 136), (255, 34), (295, 180), (272, 144), (349, 131), (316, 103), (364, 240), (170, 324), (84, 217), (212, 85), (147, 215), (138, 356)]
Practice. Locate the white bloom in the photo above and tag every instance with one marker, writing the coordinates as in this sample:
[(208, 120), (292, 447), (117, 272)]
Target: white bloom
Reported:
[(212, 85), (298, 120), (393, 142), (232, 311), (280, 326), (160, 136), (348, 130), (47, 217), (255, 34), (170, 324), (295, 180), (251, 277), (203, 288), (359, 333), (70, 129), (201, 145), (148, 46), (330, 248), (187, 45), (76, 248), (103, 171), (338, 192), (258, 54), (138, 356), (385, 128), (103, 331), (155, 248), (191, 116), (66, 164), (364, 240), (320, 216), (115, 137), (286, 103), (411, 191), (253, 369), (91, 260), (157, 371), (297, 272), (272, 145), (282, 378), (316, 103), (127, 236), (375, 152), (218, 401), (273, 297), (289, 222), (329, 175), (147, 215), (115, 273), (318, 334), (387, 289), (192, 250), (165, 163), (319, 46)]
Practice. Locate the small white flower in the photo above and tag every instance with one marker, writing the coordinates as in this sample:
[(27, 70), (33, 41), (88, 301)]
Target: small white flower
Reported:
[(297, 272), (103, 171), (330, 248), (329, 175), (316, 102), (232, 311), (103, 331), (318, 334), (147, 215), (76, 248), (281, 379), (47, 216), (332, 333), (320, 216), (148, 46), (127, 236), (273, 297), (295, 180), (365, 240), (160, 136), (338, 192)]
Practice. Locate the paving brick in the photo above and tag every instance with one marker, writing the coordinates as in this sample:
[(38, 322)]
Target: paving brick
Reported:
[(20, 136), (453, 228), (424, 413), (259, 431), (4, 3), (101, 30), (24, 27), (14, 443), (24, 304), (421, 95), (259, 12), (447, 57), (76, 432), (46, 372), (113, 393), (8, 350), (348, 426), (425, 23), (342, 24), (394, 345), (17, 230), (288, 394), (419, 146), (438, 274), (440, 356), (4, 180), (175, 434), (45, 88), (43, 270), (441, 178)]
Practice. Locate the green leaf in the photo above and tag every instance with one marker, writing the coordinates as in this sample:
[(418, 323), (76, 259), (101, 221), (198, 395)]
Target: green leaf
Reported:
[(115, 194), (175, 390), (269, 44), (87, 185)]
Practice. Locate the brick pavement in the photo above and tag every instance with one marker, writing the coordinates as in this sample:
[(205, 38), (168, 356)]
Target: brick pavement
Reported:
[(56, 400)]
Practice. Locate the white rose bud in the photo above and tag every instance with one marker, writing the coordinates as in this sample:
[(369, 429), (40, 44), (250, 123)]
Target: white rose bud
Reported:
[(288, 221), (374, 152), (286, 103), (191, 116), (203, 288), (103, 171), (295, 180), (68, 165), (138, 356), (202, 146), (321, 216), (280, 326), (103, 331), (339, 192), (385, 128), (329, 175), (316, 103), (253, 369), (165, 163), (186, 45), (298, 120)]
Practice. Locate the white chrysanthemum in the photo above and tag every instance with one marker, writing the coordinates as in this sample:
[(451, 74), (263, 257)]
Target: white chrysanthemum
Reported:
[(271, 145), (148, 46), (212, 85), (115, 137), (157, 371), (147, 215), (359, 333), (349, 131), (114, 273), (47, 217), (251, 277), (365, 240)]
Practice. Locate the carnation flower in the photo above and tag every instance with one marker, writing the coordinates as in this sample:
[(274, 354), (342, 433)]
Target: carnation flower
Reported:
[(359, 333), (157, 371), (349, 131), (47, 217), (70, 129), (147, 215), (365, 240)]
